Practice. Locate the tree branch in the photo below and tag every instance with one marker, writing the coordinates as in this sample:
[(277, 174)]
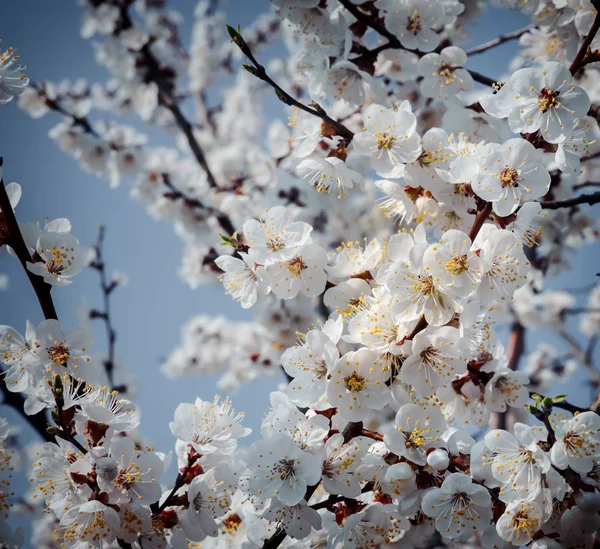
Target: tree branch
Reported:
[(37, 422), (395, 43), (260, 72), (580, 60), (223, 219), (590, 199), (500, 40), (17, 243), (107, 288), (516, 345)]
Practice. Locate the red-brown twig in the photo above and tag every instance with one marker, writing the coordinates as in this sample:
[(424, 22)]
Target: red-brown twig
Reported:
[(579, 60)]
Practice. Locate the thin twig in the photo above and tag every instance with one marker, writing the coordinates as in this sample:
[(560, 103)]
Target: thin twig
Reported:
[(223, 219), (37, 422), (395, 43), (579, 60), (590, 199), (480, 220), (580, 186), (516, 345), (581, 356), (17, 243), (500, 40), (107, 288), (260, 72)]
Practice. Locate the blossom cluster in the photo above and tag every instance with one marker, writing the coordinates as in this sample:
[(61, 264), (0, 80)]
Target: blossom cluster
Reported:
[(408, 210)]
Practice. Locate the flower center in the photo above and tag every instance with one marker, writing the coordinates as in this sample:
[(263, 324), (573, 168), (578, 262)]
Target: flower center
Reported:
[(547, 100), (385, 140), (129, 476), (446, 72), (415, 23), (509, 177), (59, 353), (285, 468), (521, 521), (426, 159), (574, 443), (355, 383), (416, 439), (429, 355), (55, 264), (275, 243), (321, 369), (296, 266), (457, 265)]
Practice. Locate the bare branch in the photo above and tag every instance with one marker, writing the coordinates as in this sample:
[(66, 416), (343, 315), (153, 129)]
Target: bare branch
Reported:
[(580, 58), (590, 199), (17, 243), (107, 288), (500, 40), (395, 43), (260, 72)]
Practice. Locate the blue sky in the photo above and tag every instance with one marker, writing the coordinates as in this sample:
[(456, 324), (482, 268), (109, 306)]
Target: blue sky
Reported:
[(149, 312)]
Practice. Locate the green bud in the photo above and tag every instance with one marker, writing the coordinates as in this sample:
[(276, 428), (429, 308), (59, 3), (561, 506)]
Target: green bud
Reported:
[(233, 33), (57, 387), (547, 403), (226, 240), (532, 409)]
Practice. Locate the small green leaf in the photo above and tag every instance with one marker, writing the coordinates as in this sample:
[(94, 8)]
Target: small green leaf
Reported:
[(547, 403), (532, 409), (537, 398), (559, 398), (227, 240)]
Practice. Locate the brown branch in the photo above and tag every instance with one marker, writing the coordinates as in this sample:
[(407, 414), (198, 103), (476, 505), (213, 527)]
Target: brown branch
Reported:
[(54, 105), (10, 226), (180, 481), (585, 184), (260, 72), (480, 220), (223, 219), (166, 99), (482, 79), (581, 356), (500, 40), (580, 60), (516, 345), (372, 434), (37, 422), (590, 199), (17, 243), (107, 288), (395, 43)]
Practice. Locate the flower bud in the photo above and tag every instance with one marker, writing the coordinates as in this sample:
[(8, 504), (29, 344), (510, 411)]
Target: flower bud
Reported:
[(438, 459)]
